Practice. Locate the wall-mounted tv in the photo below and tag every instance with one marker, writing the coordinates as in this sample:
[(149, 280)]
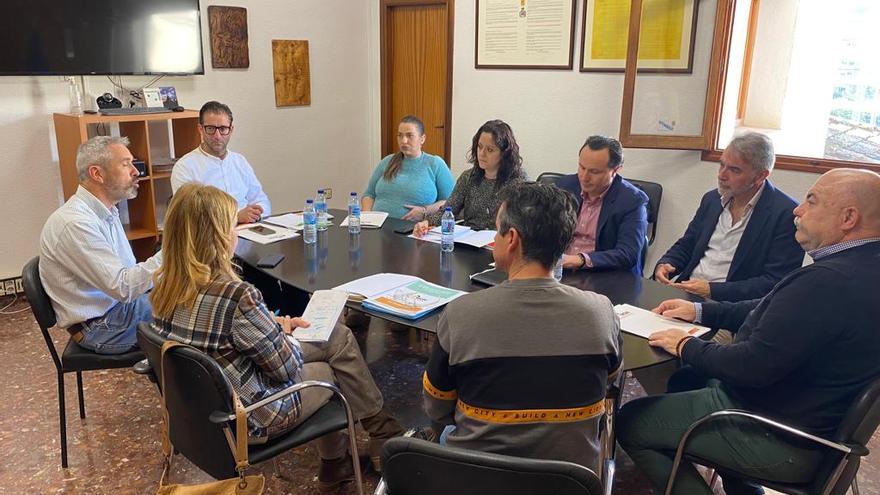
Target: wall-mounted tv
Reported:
[(116, 37)]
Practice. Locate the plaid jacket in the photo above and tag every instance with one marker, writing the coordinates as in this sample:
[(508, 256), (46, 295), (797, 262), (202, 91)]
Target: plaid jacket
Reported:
[(230, 322)]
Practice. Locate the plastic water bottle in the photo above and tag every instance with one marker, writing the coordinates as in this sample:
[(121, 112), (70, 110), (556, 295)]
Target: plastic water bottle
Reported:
[(310, 227), (354, 214), (447, 230), (321, 210), (557, 270)]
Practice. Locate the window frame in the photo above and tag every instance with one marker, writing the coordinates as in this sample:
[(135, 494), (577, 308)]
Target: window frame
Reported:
[(707, 142), (714, 88)]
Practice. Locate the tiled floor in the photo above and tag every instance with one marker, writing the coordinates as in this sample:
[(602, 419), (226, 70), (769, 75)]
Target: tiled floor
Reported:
[(116, 449)]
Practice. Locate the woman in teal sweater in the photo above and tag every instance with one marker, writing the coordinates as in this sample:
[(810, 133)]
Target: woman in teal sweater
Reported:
[(409, 184)]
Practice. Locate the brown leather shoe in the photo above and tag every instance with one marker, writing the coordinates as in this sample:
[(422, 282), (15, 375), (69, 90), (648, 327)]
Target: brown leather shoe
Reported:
[(333, 473)]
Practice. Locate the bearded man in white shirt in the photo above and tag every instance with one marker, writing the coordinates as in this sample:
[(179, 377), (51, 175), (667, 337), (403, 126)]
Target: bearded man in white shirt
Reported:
[(87, 267), (213, 164)]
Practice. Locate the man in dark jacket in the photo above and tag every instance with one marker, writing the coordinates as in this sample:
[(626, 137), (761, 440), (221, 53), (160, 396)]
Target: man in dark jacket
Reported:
[(801, 354), (612, 213), (741, 241)]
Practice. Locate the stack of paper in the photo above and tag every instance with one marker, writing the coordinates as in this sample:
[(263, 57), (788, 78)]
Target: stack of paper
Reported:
[(293, 221), (463, 235), (643, 323), (264, 234), (322, 313), (404, 296), (369, 219)]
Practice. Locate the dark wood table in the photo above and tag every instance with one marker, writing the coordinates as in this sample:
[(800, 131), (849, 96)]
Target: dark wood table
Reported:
[(339, 257)]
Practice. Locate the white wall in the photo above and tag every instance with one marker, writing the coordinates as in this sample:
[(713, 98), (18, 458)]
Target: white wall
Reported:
[(333, 142), (552, 112)]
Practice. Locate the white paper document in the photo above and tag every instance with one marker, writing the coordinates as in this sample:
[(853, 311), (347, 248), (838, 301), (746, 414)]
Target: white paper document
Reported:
[(369, 219), (264, 234), (404, 296), (462, 235), (373, 285), (293, 221), (322, 313), (643, 323)]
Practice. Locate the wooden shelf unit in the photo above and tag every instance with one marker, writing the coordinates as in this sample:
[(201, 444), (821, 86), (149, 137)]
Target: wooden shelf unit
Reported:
[(143, 228)]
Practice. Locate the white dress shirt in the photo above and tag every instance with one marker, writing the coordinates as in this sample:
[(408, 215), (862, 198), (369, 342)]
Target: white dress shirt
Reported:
[(86, 262), (716, 261), (232, 174)]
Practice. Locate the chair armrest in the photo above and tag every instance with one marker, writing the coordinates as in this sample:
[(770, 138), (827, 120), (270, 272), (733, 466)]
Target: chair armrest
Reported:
[(608, 476), (845, 449), (224, 416)]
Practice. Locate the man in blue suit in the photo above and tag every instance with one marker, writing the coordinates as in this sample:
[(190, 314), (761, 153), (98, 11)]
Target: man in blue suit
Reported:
[(741, 241), (612, 213)]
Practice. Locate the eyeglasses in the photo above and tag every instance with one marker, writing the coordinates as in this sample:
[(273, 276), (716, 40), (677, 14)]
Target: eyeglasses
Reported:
[(211, 129)]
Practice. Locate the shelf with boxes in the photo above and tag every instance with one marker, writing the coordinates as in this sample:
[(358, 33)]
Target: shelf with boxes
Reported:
[(157, 139)]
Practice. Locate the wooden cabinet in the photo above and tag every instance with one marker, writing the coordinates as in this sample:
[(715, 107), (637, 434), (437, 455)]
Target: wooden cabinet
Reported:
[(154, 138)]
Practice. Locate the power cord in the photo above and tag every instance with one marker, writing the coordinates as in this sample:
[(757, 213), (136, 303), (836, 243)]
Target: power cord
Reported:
[(14, 299)]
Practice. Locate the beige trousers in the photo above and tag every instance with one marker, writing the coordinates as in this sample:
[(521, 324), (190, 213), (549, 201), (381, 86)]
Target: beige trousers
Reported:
[(338, 361)]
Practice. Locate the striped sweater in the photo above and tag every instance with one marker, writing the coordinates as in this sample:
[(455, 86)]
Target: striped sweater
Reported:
[(522, 369)]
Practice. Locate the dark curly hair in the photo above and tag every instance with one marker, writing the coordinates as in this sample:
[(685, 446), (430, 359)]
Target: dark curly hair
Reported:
[(545, 217), (511, 162)]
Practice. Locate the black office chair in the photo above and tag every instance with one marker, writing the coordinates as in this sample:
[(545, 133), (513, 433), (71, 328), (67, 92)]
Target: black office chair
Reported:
[(74, 358), (549, 177), (655, 195), (201, 413), (837, 470), (413, 466)]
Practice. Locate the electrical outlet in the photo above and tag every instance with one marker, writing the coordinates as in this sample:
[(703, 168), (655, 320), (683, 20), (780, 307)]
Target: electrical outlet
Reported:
[(18, 287), (9, 285), (2, 290), (328, 192)]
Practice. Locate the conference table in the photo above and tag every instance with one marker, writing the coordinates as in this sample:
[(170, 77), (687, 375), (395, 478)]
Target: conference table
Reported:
[(339, 257)]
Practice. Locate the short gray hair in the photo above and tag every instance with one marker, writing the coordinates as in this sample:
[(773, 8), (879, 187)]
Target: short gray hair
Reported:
[(756, 149), (96, 151)]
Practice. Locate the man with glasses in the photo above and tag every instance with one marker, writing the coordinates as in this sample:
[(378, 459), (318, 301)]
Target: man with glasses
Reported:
[(213, 164)]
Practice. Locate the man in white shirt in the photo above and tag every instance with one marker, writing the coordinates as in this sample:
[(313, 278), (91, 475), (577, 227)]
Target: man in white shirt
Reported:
[(741, 240), (213, 164), (87, 267)]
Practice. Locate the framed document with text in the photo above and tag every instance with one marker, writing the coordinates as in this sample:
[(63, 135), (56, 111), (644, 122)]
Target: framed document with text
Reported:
[(666, 43), (525, 34)]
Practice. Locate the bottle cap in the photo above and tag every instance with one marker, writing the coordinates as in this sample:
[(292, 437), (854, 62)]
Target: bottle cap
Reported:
[(354, 193), (448, 208), (320, 191), (309, 201)]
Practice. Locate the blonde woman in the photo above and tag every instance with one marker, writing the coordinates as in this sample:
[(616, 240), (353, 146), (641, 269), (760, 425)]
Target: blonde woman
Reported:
[(199, 300)]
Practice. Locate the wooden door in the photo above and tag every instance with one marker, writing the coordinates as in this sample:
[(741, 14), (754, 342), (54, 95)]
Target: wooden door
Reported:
[(417, 70)]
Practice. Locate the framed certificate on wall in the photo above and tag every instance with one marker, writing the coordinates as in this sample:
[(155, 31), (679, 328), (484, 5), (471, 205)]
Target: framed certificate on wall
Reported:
[(525, 34), (666, 43)]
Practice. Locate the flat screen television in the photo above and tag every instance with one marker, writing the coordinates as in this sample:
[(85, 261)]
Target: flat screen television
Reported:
[(113, 37)]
